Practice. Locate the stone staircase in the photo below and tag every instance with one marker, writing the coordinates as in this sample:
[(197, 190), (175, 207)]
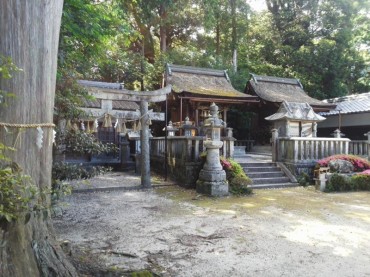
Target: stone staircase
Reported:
[(266, 175), (263, 172)]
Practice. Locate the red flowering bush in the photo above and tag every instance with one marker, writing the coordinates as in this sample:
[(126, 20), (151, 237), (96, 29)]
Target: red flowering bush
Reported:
[(366, 172), (226, 165), (238, 181), (359, 164)]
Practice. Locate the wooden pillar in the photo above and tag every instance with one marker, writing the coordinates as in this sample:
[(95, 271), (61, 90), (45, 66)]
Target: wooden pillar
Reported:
[(196, 117), (225, 115), (180, 115), (144, 139)]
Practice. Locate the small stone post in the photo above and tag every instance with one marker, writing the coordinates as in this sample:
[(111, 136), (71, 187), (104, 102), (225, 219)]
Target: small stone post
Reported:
[(229, 132), (274, 138), (212, 178), (368, 145), (314, 129), (337, 133)]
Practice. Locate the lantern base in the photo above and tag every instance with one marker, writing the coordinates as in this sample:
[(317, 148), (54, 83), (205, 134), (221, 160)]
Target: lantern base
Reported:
[(212, 183)]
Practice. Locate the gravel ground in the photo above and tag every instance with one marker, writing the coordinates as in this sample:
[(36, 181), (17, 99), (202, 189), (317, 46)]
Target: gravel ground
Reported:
[(171, 231)]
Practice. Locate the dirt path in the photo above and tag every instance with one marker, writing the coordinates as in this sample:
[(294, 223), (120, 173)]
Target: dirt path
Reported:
[(175, 232)]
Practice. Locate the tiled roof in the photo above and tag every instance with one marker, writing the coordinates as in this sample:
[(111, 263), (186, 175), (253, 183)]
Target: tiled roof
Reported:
[(277, 90), (355, 103), (202, 82), (295, 111)]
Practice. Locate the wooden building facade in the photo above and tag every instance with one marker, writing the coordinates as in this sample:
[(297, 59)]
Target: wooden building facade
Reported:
[(194, 89)]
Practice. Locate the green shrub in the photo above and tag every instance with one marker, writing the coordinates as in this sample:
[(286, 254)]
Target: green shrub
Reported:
[(339, 182), (304, 179), (65, 172), (239, 185), (360, 182), (80, 142), (17, 193)]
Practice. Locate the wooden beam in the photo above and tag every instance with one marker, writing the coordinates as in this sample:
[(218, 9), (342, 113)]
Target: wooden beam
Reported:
[(222, 100)]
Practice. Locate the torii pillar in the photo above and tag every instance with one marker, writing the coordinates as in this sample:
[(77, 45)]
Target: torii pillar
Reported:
[(143, 97), (144, 140)]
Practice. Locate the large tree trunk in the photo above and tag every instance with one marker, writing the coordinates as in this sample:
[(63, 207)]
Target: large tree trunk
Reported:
[(234, 39), (29, 35)]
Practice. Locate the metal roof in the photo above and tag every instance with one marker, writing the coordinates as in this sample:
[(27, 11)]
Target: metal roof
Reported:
[(295, 111), (355, 103)]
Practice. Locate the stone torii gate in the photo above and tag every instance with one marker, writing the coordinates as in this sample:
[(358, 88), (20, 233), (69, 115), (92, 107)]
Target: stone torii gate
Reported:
[(143, 97)]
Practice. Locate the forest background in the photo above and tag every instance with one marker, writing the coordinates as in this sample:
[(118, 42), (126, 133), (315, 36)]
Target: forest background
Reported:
[(323, 43)]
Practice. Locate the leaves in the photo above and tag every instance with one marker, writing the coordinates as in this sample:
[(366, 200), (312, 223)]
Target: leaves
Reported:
[(17, 193)]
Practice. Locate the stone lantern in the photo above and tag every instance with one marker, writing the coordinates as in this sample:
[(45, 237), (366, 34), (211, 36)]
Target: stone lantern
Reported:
[(212, 178), (188, 127), (170, 129)]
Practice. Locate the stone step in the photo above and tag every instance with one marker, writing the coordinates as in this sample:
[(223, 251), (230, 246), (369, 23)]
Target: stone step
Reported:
[(279, 180), (273, 186), (261, 169), (257, 164), (256, 175)]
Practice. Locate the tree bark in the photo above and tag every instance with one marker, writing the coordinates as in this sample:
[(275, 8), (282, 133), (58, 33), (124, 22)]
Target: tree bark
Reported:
[(29, 35), (162, 28)]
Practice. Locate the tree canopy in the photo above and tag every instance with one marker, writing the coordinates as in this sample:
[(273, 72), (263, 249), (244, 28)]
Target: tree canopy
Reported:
[(324, 43)]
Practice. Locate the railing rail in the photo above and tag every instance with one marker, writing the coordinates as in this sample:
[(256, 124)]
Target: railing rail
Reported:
[(359, 147), (185, 148), (247, 143), (303, 149)]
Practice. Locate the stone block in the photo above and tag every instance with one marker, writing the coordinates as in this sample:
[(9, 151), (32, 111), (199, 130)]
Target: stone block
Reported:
[(212, 176), (213, 188), (341, 166)]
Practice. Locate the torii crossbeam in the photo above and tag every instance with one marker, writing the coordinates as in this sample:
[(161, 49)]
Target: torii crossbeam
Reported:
[(136, 96)]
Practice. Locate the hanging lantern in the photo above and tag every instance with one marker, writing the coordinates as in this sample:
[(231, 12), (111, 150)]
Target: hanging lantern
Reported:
[(139, 126), (82, 126), (134, 128)]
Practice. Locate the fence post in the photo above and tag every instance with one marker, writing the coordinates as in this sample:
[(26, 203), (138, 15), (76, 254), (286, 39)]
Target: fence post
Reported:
[(368, 144)]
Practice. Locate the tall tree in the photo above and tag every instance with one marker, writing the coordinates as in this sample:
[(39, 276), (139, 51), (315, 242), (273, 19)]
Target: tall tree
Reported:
[(29, 35)]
